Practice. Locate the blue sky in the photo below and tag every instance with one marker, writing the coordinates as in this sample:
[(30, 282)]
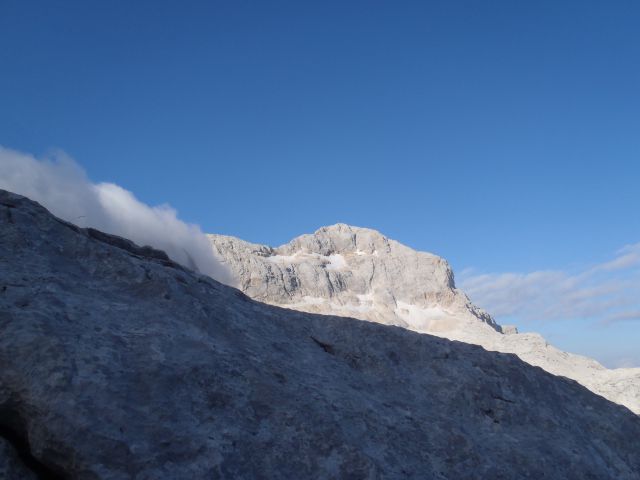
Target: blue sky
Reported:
[(503, 136)]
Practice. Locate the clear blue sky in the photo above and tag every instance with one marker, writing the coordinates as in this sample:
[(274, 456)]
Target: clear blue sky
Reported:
[(504, 136)]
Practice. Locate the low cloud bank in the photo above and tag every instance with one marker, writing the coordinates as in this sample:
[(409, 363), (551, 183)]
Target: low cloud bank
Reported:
[(606, 293), (61, 185)]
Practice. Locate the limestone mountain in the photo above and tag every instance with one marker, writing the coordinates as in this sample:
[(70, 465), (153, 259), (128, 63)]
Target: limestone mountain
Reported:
[(360, 273)]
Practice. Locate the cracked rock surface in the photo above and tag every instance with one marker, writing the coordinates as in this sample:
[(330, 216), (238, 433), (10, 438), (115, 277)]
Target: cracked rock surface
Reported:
[(118, 364)]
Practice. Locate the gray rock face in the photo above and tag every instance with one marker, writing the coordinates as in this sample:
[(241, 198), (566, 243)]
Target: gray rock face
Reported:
[(118, 364), (350, 270), (360, 273)]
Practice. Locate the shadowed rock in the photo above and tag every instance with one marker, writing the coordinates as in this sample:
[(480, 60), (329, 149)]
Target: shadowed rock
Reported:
[(118, 365)]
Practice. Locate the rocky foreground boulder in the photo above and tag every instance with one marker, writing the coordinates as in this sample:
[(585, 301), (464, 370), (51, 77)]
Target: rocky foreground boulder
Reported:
[(360, 273), (117, 363)]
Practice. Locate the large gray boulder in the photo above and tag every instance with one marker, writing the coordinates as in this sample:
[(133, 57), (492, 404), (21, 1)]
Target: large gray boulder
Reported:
[(117, 363)]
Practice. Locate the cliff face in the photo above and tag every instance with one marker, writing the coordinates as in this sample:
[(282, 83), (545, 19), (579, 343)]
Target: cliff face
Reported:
[(360, 273), (353, 271), (117, 364)]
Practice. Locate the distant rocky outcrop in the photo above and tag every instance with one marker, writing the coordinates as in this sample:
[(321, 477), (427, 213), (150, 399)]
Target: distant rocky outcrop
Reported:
[(117, 363), (360, 273), (356, 272)]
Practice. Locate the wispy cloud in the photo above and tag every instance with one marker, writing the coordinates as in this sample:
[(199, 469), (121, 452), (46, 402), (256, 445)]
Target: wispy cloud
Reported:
[(633, 315), (628, 256), (61, 185), (607, 293), (625, 362)]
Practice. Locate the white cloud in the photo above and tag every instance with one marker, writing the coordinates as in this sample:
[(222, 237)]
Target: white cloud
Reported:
[(626, 362), (633, 315), (628, 256), (608, 292), (61, 185)]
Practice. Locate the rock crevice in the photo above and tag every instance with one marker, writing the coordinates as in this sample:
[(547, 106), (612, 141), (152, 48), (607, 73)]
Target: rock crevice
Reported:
[(19, 459)]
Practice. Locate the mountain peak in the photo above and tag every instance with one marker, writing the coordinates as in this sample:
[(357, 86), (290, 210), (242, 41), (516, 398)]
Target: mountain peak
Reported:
[(359, 272), (350, 239)]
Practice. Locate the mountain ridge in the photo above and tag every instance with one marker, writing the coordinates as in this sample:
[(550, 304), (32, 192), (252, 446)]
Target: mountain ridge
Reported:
[(359, 272), (119, 365)]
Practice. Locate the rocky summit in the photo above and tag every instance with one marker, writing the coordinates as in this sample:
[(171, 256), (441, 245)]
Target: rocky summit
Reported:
[(360, 273), (117, 363)]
